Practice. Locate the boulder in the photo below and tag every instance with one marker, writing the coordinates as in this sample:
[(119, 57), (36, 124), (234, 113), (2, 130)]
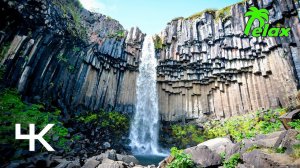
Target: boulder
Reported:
[(106, 145), (127, 159), (203, 156), (218, 145), (107, 163), (69, 164), (111, 154), (259, 158), (290, 140), (91, 163)]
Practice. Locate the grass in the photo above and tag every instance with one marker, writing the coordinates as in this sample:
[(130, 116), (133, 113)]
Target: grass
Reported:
[(119, 34), (114, 122), (199, 14), (247, 126), (13, 110), (72, 10), (239, 127), (181, 160), (223, 13), (187, 135), (233, 161), (296, 151)]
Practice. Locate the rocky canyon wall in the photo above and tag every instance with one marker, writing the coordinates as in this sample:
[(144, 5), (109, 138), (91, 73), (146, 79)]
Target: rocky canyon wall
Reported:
[(208, 68), (57, 52)]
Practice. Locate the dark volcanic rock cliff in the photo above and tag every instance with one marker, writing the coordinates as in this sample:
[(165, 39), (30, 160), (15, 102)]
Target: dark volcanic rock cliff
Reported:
[(58, 52), (207, 67)]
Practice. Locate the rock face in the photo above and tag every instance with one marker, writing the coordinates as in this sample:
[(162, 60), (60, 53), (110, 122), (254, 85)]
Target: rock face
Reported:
[(207, 67), (59, 52)]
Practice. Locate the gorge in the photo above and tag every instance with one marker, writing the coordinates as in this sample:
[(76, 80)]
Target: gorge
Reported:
[(200, 68)]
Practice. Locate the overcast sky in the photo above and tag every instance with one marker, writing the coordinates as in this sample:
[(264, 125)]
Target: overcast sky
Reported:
[(151, 16)]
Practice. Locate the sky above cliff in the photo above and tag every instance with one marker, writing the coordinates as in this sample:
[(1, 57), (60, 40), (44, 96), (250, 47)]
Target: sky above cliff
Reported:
[(151, 16)]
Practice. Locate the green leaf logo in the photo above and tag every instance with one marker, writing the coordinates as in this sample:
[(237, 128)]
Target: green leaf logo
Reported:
[(262, 15)]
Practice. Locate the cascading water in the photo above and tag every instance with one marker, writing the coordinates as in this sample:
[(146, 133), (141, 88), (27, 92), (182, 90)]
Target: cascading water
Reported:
[(144, 128)]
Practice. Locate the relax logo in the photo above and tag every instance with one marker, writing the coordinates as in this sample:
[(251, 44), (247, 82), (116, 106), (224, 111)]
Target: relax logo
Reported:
[(262, 15)]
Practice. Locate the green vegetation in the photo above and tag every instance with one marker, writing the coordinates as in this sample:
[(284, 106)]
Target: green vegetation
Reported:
[(2, 71), (187, 135), (223, 13), (72, 15), (76, 49), (115, 122), (296, 125), (233, 161), (3, 50), (181, 160), (252, 148), (245, 126), (62, 58), (71, 68), (296, 151), (119, 34), (13, 110), (177, 18), (199, 14), (157, 42), (280, 150)]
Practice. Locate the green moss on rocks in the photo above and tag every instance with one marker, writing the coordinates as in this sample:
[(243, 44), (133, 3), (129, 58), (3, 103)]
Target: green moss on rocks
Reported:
[(13, 110), (114, 122), (223, 13), (72, 14), (157, 42), (247, 126), (3, 50), (187, 135), (199, 14), (177, 18)]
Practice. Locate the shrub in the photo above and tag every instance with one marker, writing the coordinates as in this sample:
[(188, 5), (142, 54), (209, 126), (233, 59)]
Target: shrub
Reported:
[(119, 34), (72, 10), (115, 122), (187, 135), (296, 151), (233, 161), (295, 124), (62, 58), (247, 126), (157, 42), (280, 150), (181, 160), (13, 110)]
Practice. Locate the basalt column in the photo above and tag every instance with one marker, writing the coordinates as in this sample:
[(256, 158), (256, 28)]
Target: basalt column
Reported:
[(208, 68)]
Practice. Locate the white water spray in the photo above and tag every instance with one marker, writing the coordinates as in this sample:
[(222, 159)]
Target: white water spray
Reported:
[(144, 128)]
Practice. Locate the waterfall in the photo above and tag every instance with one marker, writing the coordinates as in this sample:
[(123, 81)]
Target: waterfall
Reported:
[(145, 125)]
